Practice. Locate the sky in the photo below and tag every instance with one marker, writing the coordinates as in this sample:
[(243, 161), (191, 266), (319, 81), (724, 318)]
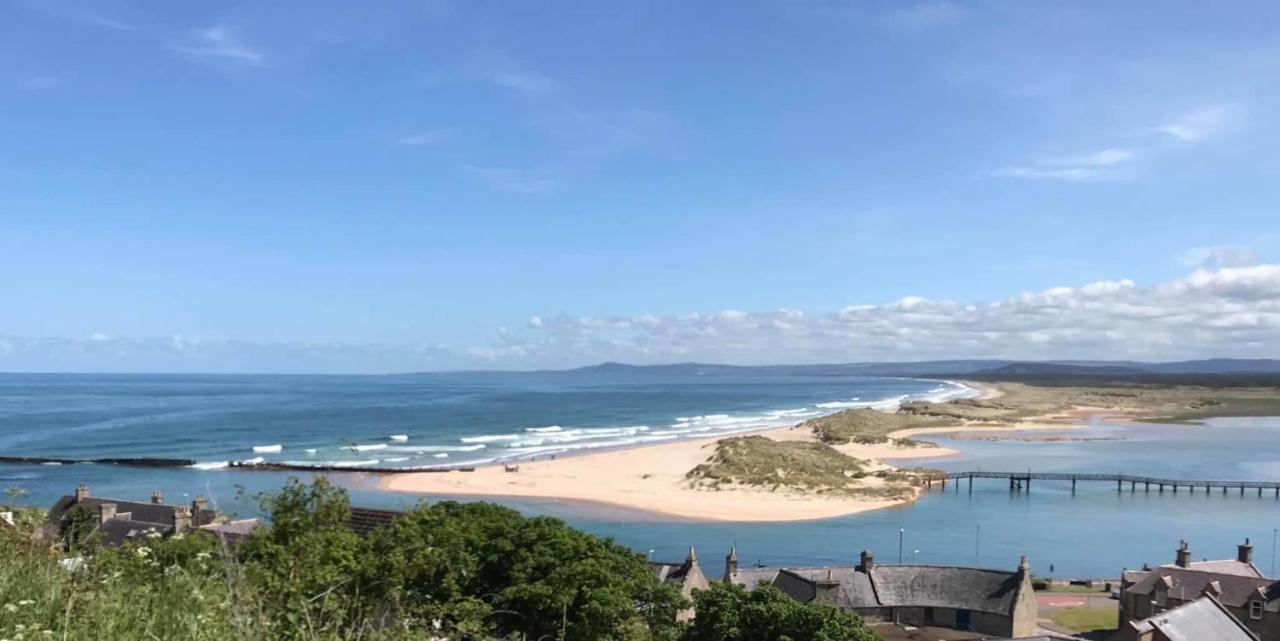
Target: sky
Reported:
[(327, 186)]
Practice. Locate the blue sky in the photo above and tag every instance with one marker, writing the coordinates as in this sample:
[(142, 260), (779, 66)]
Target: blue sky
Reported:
[(330, 186)]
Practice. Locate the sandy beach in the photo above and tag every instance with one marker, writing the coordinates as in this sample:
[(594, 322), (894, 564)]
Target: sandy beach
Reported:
[(652, 478)]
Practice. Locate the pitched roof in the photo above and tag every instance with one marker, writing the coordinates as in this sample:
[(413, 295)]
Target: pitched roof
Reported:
[(853, 591), (155, 513), (117, 531), (1226, 566), (1204, 618), (751, 578), (1188, 583), (364, 520), (945, 587)]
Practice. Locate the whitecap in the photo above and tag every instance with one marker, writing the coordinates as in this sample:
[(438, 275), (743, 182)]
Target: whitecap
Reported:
[(441, 455), (212, 465), (371, 446), (267, 449), (490, 438), (549, 428), (399, 437)]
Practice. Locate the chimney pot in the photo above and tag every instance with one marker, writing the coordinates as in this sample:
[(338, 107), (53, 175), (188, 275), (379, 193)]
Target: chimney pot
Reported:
[(1244, 553), (82, 491), (866, 561), (181, 519), (157, 498), (1184, 555)]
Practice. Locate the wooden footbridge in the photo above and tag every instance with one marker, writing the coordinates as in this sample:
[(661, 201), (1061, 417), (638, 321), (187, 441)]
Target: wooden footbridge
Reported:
[(1021, 481)]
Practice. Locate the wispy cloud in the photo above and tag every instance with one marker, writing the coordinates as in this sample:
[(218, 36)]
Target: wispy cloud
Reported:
[(430, 137), (1202, 124), (925, 15), (523, 81), (72, 12), (1081, 167), (514, 180), (219, 42)]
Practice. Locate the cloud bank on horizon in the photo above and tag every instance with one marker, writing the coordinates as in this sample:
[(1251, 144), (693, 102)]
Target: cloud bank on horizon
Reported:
[(1215, 311)]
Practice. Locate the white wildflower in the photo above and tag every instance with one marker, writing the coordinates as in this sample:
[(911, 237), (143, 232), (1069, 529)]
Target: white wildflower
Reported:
[(26, 602)]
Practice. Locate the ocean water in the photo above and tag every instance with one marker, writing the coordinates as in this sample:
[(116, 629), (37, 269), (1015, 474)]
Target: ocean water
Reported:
[(406, 421), (1094, 532)]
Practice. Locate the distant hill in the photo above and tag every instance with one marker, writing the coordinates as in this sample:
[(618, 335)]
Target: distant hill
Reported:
[(990, 367)]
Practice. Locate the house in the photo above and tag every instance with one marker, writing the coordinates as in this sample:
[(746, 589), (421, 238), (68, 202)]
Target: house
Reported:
[(1235, 584), (686, 577), (991, 602), (363, 520), (1202, 619), (120, 521)]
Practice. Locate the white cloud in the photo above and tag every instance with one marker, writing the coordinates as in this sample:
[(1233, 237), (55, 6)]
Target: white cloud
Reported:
[(431, 137), (523, 81), (1202, 124), (1211, 312), (1079, 167), (1229, 311), (925, 15), (514, 180), (220, 43)]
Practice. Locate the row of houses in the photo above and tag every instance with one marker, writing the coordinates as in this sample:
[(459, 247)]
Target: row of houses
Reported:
[(1227, 600)]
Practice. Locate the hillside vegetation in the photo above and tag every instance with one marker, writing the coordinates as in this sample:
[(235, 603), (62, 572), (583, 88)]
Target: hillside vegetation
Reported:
[(866, 425), (757, 461), (441, 572)]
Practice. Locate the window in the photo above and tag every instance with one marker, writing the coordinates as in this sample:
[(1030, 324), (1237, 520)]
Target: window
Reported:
[(1255, 610)]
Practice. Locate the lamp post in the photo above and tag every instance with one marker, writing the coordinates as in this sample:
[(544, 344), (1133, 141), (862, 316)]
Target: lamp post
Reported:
[(901, 532), (1273, 551), (977, 545)]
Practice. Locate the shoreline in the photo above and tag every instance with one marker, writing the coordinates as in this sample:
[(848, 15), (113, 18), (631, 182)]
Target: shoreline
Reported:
[(651, 478)]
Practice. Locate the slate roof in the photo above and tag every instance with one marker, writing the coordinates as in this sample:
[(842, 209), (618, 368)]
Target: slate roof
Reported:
[(153, 513), (945, 587), (751, 578), (1228, 566), (1197, 620), (1188, 583), (364, 521), (117, 531), (854, 589)]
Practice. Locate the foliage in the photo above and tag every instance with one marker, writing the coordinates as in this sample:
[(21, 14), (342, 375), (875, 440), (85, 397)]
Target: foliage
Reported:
[(727, 612), (446, 571)]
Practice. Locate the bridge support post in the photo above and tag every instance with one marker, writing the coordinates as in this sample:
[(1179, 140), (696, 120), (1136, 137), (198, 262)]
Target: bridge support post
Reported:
[(1241, 490), (971, 486), (1118, 486), (1028, 483), (1175, 488), (1224, 490), (1161, 487), (1146, 486), (1259, 490), (1133, 486), (1073, 485)]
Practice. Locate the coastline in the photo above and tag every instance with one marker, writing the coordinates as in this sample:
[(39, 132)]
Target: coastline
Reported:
[(651, 478)]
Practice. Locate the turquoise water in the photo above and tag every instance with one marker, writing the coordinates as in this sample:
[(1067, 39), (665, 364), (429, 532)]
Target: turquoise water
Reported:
[(1094, 532)]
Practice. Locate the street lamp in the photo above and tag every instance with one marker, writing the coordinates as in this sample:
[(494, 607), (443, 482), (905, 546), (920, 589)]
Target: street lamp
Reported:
[(1273, 551), (901, 532)]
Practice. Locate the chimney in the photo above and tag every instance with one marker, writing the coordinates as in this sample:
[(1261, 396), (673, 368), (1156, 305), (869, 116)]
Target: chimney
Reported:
[(106, 512), (1024, 567), (1184, 555), (198, 507), (82, 491), (866, 561), (825, 590), (1244, 553), (181, 519), (157, 498), (731, 564)]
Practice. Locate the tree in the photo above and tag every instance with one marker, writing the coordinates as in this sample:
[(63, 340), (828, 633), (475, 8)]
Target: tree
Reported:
[(480, 566), (728, 612), (305, 566)]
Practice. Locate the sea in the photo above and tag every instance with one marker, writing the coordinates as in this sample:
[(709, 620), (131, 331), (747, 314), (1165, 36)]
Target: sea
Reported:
[(474, 418)]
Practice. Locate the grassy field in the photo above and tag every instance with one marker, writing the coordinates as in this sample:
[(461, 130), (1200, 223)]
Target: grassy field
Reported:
[(1085, 620)]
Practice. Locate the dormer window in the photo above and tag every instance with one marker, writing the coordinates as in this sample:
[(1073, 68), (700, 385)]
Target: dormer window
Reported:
[(1255, 610)]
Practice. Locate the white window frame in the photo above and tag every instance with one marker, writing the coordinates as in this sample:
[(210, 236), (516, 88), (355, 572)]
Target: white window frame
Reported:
[(1255, 610)]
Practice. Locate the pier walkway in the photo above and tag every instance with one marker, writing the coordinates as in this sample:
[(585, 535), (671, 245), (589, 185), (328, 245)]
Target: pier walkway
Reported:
[(1021, 481)]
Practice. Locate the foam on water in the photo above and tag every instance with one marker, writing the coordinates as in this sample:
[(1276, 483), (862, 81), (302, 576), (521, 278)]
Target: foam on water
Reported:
[(524, 442)]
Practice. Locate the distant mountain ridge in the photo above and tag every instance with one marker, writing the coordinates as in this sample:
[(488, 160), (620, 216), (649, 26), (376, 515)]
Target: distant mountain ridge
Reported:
[(986, 367)]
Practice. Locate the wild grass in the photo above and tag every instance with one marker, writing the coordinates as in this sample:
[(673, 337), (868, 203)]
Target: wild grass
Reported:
[(866, 426)]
